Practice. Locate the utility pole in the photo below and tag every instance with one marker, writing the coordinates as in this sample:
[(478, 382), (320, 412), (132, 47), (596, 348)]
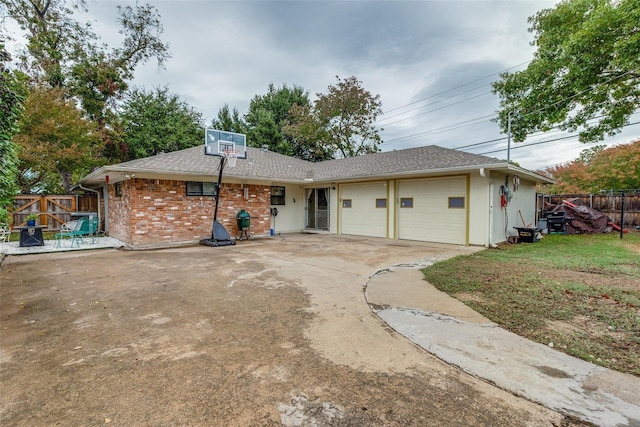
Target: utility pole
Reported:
[(509, 138)]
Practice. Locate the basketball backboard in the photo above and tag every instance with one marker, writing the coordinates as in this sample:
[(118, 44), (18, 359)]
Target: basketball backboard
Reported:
[(217, 142)]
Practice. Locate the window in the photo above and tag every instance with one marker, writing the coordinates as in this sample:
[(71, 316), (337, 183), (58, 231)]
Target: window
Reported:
[(118, 189), (277, 195), (406, 202), (346, 203), (381, 203), (456, 202), (201, 188)]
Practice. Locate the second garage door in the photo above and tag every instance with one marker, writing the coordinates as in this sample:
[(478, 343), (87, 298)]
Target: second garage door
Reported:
[(363, 209), (433, 210)]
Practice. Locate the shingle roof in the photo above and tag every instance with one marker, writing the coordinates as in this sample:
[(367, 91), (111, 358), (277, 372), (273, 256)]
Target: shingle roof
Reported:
[(267, 165), (411, 160), (193, 161)]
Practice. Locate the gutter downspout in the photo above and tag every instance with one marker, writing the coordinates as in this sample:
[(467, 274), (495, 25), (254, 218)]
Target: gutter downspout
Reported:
[(486, 176), (98, 194)]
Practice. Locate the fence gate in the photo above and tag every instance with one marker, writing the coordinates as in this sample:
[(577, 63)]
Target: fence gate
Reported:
[(52, 210)]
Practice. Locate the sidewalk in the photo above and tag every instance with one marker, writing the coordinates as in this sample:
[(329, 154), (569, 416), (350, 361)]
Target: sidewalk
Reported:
[(458, 335), (13, 248)]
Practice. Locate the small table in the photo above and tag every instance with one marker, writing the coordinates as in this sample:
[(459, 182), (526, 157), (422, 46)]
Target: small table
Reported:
[(31, 235)]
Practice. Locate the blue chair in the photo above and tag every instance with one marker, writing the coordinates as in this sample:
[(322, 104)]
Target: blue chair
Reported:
[(73, 231), (92, 228)]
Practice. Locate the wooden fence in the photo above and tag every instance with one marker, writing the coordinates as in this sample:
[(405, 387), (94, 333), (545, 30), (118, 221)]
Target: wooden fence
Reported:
[(608, 204), (52, 210)]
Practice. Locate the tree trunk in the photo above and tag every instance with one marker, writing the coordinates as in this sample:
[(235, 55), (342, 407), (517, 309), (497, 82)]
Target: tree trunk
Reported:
[(67, 184)]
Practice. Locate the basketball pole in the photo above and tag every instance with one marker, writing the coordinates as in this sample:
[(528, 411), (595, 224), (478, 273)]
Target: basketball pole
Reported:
[(219, 236), (223, 159)]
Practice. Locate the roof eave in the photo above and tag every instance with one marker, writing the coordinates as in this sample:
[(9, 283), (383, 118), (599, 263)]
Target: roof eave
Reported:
[(98, 177), (118, 173), (503, 166)]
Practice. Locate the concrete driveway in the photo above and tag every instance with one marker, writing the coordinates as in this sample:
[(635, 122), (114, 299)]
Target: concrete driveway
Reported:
[(268, 332)]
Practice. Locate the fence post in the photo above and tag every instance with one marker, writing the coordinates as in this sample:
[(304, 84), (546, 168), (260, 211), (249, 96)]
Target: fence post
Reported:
[(622, 216)]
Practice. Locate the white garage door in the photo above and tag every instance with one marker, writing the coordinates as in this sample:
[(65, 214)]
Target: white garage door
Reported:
[(363, 209), (433, 210)]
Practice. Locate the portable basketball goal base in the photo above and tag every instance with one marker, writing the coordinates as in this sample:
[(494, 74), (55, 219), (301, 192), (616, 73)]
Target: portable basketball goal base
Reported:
[(230, 147)]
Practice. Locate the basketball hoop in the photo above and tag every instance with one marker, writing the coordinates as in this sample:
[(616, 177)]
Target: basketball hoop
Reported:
[(231, 156)]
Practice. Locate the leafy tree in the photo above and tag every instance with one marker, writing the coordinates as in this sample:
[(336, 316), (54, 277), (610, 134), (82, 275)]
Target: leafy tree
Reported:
[(571, 178), (12, 94), (157, 121), (585, 74), (269, 113), (597, 169), (616, 168), (230, 122), (64, 53), (54, 140), (590, 153), (343, 119), (307, 135)]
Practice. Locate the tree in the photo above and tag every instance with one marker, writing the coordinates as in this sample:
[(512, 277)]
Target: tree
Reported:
[(344, 120), (230, 122), (268, 114), (585, 74), (61, 52), (597, 169), (307, 135), (55, 140), (12, 94), (157, 121), (587, 155), (617, 168)]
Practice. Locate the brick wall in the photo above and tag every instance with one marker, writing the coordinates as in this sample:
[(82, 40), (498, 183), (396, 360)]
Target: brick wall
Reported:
[(154, 212)]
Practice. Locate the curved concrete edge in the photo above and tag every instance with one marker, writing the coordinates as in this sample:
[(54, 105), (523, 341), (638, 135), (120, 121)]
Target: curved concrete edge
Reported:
[(458, 335)]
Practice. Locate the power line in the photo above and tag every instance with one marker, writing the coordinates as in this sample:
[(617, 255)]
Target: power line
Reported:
[(547, 141), (458, 87), (531, 144), (439, 108), (577, 94), (480, 119), (471, 122), (426, 105), (440, 130)]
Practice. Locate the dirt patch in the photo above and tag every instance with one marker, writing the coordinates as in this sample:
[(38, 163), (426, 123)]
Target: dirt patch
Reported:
[(222, 336), (594, 278), (469, 296), (583, 325)]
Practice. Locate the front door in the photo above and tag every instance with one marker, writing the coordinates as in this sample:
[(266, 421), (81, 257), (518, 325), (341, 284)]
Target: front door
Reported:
[(317, 209)]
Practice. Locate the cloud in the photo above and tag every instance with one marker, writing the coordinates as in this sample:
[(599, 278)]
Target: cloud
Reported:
[(226, 52)]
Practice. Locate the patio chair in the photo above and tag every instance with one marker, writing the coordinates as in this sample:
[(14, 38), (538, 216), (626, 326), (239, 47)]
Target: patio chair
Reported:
[(72, 230), (92, 229), (5, 233)]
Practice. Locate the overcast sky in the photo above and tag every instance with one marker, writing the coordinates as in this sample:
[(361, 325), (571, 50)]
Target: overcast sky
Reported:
[(431, 62)]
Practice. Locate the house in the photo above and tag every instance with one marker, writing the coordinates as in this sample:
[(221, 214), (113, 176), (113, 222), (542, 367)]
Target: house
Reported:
[(429, 193)]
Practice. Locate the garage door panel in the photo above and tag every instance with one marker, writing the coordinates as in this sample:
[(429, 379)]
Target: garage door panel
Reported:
[(363, 218), (431, 219)]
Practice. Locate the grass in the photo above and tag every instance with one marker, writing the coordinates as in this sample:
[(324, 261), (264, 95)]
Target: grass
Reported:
[(579, 292)]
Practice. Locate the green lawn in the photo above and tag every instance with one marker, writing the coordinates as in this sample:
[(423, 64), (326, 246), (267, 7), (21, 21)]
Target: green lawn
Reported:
[(579, 292)]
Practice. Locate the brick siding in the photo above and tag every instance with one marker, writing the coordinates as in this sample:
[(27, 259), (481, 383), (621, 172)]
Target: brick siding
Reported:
[(154, 212)]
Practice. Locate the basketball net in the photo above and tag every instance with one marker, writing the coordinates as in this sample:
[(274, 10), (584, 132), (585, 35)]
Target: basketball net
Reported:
[(231, 156)]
